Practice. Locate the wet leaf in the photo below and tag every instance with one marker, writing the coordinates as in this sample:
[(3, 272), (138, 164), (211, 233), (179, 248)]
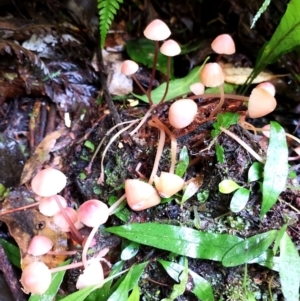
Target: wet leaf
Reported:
[(183, 162), (239, 76), (289, 269), (51, 292), (129, 282), (179, 289), (285, 38), (11, 161), (239, 200), (202, 288), (40, 155), (130, 251), (249, 248), (255, 172), (228, 186), (142, 51), (25, 224), (276, 167), (180, 240), (12, 252), (280, 234)]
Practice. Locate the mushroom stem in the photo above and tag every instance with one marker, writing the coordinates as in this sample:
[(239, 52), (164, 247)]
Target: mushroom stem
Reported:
[(153, 72), (112, 209), (73, 229), (142, 88), (228, 96), (173, 143), (159, 150), (220, 104), (88, 242), (167, 80), (113, 138)]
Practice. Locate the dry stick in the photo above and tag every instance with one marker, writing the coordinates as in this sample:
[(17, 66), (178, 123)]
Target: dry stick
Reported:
[(168, 79), (101, 178), (19, 208), (244, 145), (113, 207), (160, 147), (88, 168), (173, 143), (153, 72), (73, 230), (220, 104)]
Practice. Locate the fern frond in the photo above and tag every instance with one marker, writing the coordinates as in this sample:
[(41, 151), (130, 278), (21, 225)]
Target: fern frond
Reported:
[(107, 9)]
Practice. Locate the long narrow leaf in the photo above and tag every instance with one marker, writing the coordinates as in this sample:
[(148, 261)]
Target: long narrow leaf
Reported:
[(180, 240)]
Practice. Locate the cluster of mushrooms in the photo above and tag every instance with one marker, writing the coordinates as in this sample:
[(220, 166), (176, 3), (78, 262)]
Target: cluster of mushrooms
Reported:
[(140, 195)]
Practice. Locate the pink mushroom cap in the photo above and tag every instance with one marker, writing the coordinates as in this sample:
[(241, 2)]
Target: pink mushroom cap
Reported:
[(48, 206), (48, 182), (223, 44), (93, 212), (39, 245), (170, 48), (157, 30)]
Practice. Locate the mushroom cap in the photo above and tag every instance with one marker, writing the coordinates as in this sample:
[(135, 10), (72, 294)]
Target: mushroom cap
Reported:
[(267, 86), (170, 48), (182, 113), (223, 44), (140, 195), (93, 212), (129, 67), (61, 222), (39, 245), (48, 182), (197, 88), (48, 206), (157, 30), (212, 75), (92, 274), (168, 184), (261, 103), (36, 278)]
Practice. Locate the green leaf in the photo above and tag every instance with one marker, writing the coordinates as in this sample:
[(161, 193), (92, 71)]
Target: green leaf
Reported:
[(51, 292), (202, 288), (228, 186), (107, 10), (279, 237), (289, 269), (179, 289), (248, 249), (276, 168), (220, 153), (135, 294), (130, 251), (89, 145), (129, 282), (102, 294), (183, 162), (260, 11), (122, 212), (180, 240), (142, 51), (177, 87), (12, 252), (239, 200), (224, 120), (255, 172), (267, 259), (285, 38)]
